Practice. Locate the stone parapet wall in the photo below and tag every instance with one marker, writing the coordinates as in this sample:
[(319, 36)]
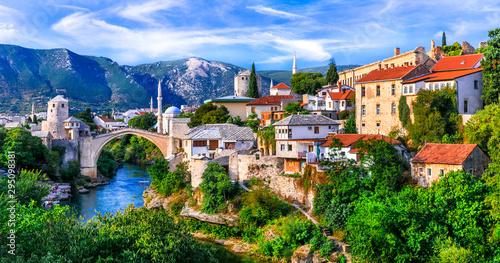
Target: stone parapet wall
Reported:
[(245, 167), (197, 167), (291, 189), (72, 151)]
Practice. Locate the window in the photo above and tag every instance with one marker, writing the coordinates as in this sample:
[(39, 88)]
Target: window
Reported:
[(53, 105), (393, 89), (316, 130), (442, 86), (441, 172), (410, 90), (310, 148), (342, 103), (199, 143), (476, 84), (378, 90), (378, 109), (420, 170), (405, 89), (289, 147), (50, 110), (466, 102), (363, 92), (470, 172), (283, 147), (363, 124), (309, 127), (436, 86), (62, 105), (429, 172), (377, 124), (363, 111), (393, 108), (330, 104), (429, 86)]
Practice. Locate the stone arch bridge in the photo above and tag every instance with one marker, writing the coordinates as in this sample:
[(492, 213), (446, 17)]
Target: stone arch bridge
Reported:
[(91, 147)]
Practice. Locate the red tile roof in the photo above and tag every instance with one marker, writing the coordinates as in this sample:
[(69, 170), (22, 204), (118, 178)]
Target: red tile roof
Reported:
[(281, 86), (457, 62), (341, 95), (345, 139), (270, 100), (105, 119), (386, 74), (444, 75), (444, 153)]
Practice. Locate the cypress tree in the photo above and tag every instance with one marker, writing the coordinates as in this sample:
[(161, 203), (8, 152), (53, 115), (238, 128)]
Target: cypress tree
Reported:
[(253, 89), (443, 40), (331, 75)]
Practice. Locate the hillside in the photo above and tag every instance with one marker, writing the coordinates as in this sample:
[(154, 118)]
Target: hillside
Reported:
[(30, 75)]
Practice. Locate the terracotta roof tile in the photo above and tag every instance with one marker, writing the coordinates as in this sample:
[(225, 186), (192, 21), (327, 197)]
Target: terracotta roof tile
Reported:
[(341, 95), (444, 75), (444, 153), (351, 140), (457, 62), (281, 86), (386, 74), (376, 137), (270, 100)]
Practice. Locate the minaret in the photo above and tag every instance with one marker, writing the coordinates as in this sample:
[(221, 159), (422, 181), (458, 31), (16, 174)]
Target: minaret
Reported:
[(159, 125), (294, 69), (272, 83), (33, 112), (151, 105)]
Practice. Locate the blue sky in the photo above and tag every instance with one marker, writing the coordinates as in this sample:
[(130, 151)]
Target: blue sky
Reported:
[(242, 32)]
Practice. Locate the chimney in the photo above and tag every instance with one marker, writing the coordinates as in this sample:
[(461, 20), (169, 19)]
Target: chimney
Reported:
[(339, 84), (396, 51)]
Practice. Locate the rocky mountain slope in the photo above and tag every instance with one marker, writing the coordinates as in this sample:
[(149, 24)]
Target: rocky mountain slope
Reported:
[(30, 75)]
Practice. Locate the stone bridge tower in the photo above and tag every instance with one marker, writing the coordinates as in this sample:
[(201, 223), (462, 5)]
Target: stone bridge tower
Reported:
[(57, 113)]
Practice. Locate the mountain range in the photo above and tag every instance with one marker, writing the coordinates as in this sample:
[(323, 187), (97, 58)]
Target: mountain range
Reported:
[(32, 75)]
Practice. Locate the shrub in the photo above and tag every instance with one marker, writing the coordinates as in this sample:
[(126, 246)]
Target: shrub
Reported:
[(217, 189), (327, 248), (261, 205), (171, 182)]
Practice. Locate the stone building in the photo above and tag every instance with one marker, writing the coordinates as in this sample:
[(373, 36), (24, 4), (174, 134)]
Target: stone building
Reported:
[(237, 106), (206, 140), (269, 104), (377, 98), (436, 160), (298, 135), (57, 113), (462, 72), (410, 58), (174, 126), (241, 82)]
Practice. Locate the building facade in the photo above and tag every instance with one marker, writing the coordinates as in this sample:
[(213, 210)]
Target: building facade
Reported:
[(241, 82)]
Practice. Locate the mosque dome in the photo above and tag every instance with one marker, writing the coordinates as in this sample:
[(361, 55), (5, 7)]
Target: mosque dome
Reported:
[(173, 110)]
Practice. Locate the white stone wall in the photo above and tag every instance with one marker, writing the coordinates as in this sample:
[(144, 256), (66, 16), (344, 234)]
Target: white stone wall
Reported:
[(303, 132)]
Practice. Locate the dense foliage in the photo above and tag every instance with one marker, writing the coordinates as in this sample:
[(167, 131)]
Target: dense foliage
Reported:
[(453, 50), (404, 112), (87, 118), (267, 138), (217, 189), (145, 122), (307, 83), (293, 108), (209, 113), (106, 164), (435, 115), (30, 151), (350, 126), (491, 68), (134, 149), (165, 182), (253, 89)]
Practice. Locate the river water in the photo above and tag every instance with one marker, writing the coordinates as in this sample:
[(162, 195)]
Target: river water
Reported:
[(123, 190)]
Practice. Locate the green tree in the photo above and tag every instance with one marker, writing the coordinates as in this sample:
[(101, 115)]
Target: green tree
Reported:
[(443, 39), (253, 122), (144, 122), (165, 107), (87, 118), (404, 112), (331, 75), (267, 138), (209, 113), (29, 150), (27, 187), (453, 50), (491, 68), (435, 114), (253, 89), (171, 182), (216, 188), (350, 126), (307, 83), (293, 108)]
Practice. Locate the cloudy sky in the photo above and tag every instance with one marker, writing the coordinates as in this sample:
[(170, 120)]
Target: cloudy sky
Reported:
[(242, 32)]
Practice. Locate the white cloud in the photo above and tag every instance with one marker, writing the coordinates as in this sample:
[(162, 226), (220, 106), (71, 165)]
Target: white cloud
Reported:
[(72, 7), (273, 12), (143, 12)]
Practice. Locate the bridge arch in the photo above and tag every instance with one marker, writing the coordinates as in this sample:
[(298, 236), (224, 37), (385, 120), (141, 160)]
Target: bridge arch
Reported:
[(91, 147)]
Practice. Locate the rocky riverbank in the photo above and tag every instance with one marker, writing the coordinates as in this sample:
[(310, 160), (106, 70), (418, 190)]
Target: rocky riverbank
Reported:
[(83, 183)]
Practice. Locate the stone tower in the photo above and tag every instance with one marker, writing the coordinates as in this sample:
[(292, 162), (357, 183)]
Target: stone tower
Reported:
[(294, 69), (57, 113), (242, 81), (159, 124)]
